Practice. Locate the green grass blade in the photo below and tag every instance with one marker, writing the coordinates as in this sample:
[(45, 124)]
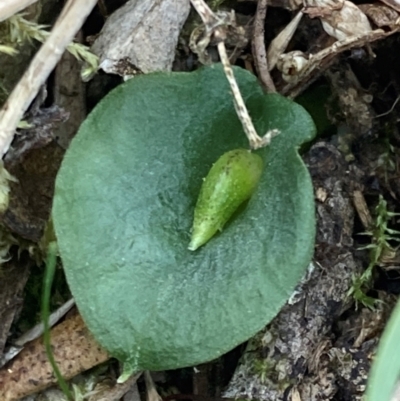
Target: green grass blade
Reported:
[(51, 262)]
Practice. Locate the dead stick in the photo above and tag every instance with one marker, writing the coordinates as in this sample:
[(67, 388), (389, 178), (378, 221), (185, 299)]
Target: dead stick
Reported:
[(11, 7), (68, 24), (258, 47)]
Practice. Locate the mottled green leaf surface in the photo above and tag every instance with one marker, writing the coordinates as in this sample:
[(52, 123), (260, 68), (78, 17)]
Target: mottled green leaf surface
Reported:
[(123, 210)]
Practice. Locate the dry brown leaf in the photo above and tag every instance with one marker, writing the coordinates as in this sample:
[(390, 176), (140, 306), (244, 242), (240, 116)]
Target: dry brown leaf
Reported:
[(340, 19), (380, 14), (280, 43)]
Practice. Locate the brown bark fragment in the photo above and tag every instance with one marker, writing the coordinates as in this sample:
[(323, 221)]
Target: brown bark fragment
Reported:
[(75, 351)]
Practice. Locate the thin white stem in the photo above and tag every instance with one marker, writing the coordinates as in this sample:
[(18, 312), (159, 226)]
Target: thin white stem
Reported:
[(238, 101), (209, 19), (68, 24)]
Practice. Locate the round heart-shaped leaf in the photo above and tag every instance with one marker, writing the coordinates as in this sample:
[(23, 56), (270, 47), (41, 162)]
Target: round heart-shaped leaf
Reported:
[(123, 211)]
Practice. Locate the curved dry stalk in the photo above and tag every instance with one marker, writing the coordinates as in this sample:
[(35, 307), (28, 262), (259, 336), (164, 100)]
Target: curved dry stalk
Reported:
[(258, 47), (68, 24)]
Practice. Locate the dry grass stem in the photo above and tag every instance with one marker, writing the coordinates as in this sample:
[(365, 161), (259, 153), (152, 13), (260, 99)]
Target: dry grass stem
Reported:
[(10, 7), (68, 24)]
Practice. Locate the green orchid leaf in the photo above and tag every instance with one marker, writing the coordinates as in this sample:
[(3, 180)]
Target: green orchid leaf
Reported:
[(123, 211), (385, 371)]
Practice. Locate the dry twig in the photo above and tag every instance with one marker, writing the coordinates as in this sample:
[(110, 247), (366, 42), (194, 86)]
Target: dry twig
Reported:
[(10, 7), (321, 61), (259, 50), (68, 24)]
